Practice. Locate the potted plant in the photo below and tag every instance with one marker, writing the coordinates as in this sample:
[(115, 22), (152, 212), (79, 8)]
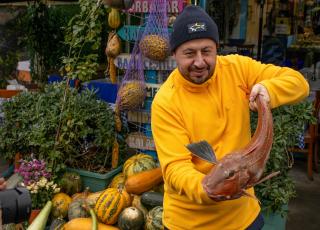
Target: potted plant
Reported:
[(274, 194), (63, 127), (38, 181)]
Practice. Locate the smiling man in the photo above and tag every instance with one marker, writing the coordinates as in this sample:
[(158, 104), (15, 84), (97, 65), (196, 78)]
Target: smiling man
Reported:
[(203, 99)]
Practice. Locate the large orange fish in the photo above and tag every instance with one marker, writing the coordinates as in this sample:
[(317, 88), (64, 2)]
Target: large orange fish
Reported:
[(240, 169)]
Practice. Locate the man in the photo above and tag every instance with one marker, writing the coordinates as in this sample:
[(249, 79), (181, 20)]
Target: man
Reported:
[(203, 99)]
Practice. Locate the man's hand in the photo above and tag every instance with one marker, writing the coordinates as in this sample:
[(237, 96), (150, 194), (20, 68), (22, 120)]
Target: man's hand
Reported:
[(256, 90), (2, 184)]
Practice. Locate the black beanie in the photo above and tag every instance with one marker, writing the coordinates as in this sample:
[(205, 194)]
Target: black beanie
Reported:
[(193, 23)]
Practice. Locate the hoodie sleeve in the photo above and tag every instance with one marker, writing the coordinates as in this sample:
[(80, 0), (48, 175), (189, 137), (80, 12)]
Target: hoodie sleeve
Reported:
[(285, 85), (170, 139)]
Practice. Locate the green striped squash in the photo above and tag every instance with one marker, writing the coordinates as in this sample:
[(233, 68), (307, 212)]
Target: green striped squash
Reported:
[(110, 204), (117, 181), (154, 219), (77, 209), (138, 163)]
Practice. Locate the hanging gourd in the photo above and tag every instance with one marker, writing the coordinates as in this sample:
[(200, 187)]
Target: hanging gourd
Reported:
[(113, 47), (115, 154), (114, 18), (112, 69)]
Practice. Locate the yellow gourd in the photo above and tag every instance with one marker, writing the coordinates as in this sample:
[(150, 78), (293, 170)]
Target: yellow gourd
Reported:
[(60, 205), (115, 154), (118, 181), (117, 118), (114, 18), (110, 204), (85, 224), (112, 71)]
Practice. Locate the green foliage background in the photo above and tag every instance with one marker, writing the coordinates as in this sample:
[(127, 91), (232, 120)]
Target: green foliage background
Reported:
[(86, 129), (288, 122)]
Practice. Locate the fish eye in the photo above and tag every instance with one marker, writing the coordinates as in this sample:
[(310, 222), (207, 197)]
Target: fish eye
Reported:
[(231, 173)]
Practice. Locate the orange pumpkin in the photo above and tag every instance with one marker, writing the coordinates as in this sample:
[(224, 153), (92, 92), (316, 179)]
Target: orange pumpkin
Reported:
[(60, 205)]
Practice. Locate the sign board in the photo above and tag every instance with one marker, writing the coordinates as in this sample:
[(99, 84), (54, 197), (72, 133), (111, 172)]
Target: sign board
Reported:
[(131, 33), (139, 116), (122, 62), (138, 140), (282, 25), (144, 6), (152, 89)]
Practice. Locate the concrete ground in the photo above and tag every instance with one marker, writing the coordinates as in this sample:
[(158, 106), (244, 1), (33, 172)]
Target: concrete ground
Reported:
[(304, 210)]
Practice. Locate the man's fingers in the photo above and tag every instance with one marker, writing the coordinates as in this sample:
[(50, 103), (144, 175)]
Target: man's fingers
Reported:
[(253, 105)]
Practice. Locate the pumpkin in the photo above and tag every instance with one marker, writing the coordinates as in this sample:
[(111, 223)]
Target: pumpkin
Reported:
[(143, 181), (57, 224), (70, 183), (114, 18), (154, 219), (77, 210), (117, 181), (136, 202), (80, 195), (131, 218), (60, 205), (128, 198), (92, 198), (138, 163), (110, 204), (85, 224)]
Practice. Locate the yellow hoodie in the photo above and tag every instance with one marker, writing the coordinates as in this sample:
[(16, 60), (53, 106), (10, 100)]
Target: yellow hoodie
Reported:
[(216, 111)]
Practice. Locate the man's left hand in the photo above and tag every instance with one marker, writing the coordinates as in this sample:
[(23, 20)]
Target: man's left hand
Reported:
[(258, 89)]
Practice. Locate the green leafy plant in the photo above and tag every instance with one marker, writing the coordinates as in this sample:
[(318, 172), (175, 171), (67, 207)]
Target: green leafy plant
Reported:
[(62, 127), (45, 36), (288, 123), (12, 34), (83, 37)]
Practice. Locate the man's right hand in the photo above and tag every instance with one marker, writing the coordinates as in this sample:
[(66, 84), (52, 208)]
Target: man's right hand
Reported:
[(3, 184)]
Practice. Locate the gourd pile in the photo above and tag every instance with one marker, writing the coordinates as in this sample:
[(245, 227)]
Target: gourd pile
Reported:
[(133, 200)]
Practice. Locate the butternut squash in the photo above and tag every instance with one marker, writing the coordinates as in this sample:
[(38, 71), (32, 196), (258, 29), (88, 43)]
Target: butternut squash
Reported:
[(85, 224), (144, 181)]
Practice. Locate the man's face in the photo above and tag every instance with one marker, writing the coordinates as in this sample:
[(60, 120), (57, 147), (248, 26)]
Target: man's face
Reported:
[(196, 59)]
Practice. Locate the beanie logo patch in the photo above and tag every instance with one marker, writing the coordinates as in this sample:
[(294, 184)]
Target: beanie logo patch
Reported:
[(197, 27)]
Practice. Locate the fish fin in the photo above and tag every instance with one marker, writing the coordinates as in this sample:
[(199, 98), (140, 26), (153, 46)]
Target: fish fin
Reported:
[(245, 193), (203, 150), (266, 178)]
